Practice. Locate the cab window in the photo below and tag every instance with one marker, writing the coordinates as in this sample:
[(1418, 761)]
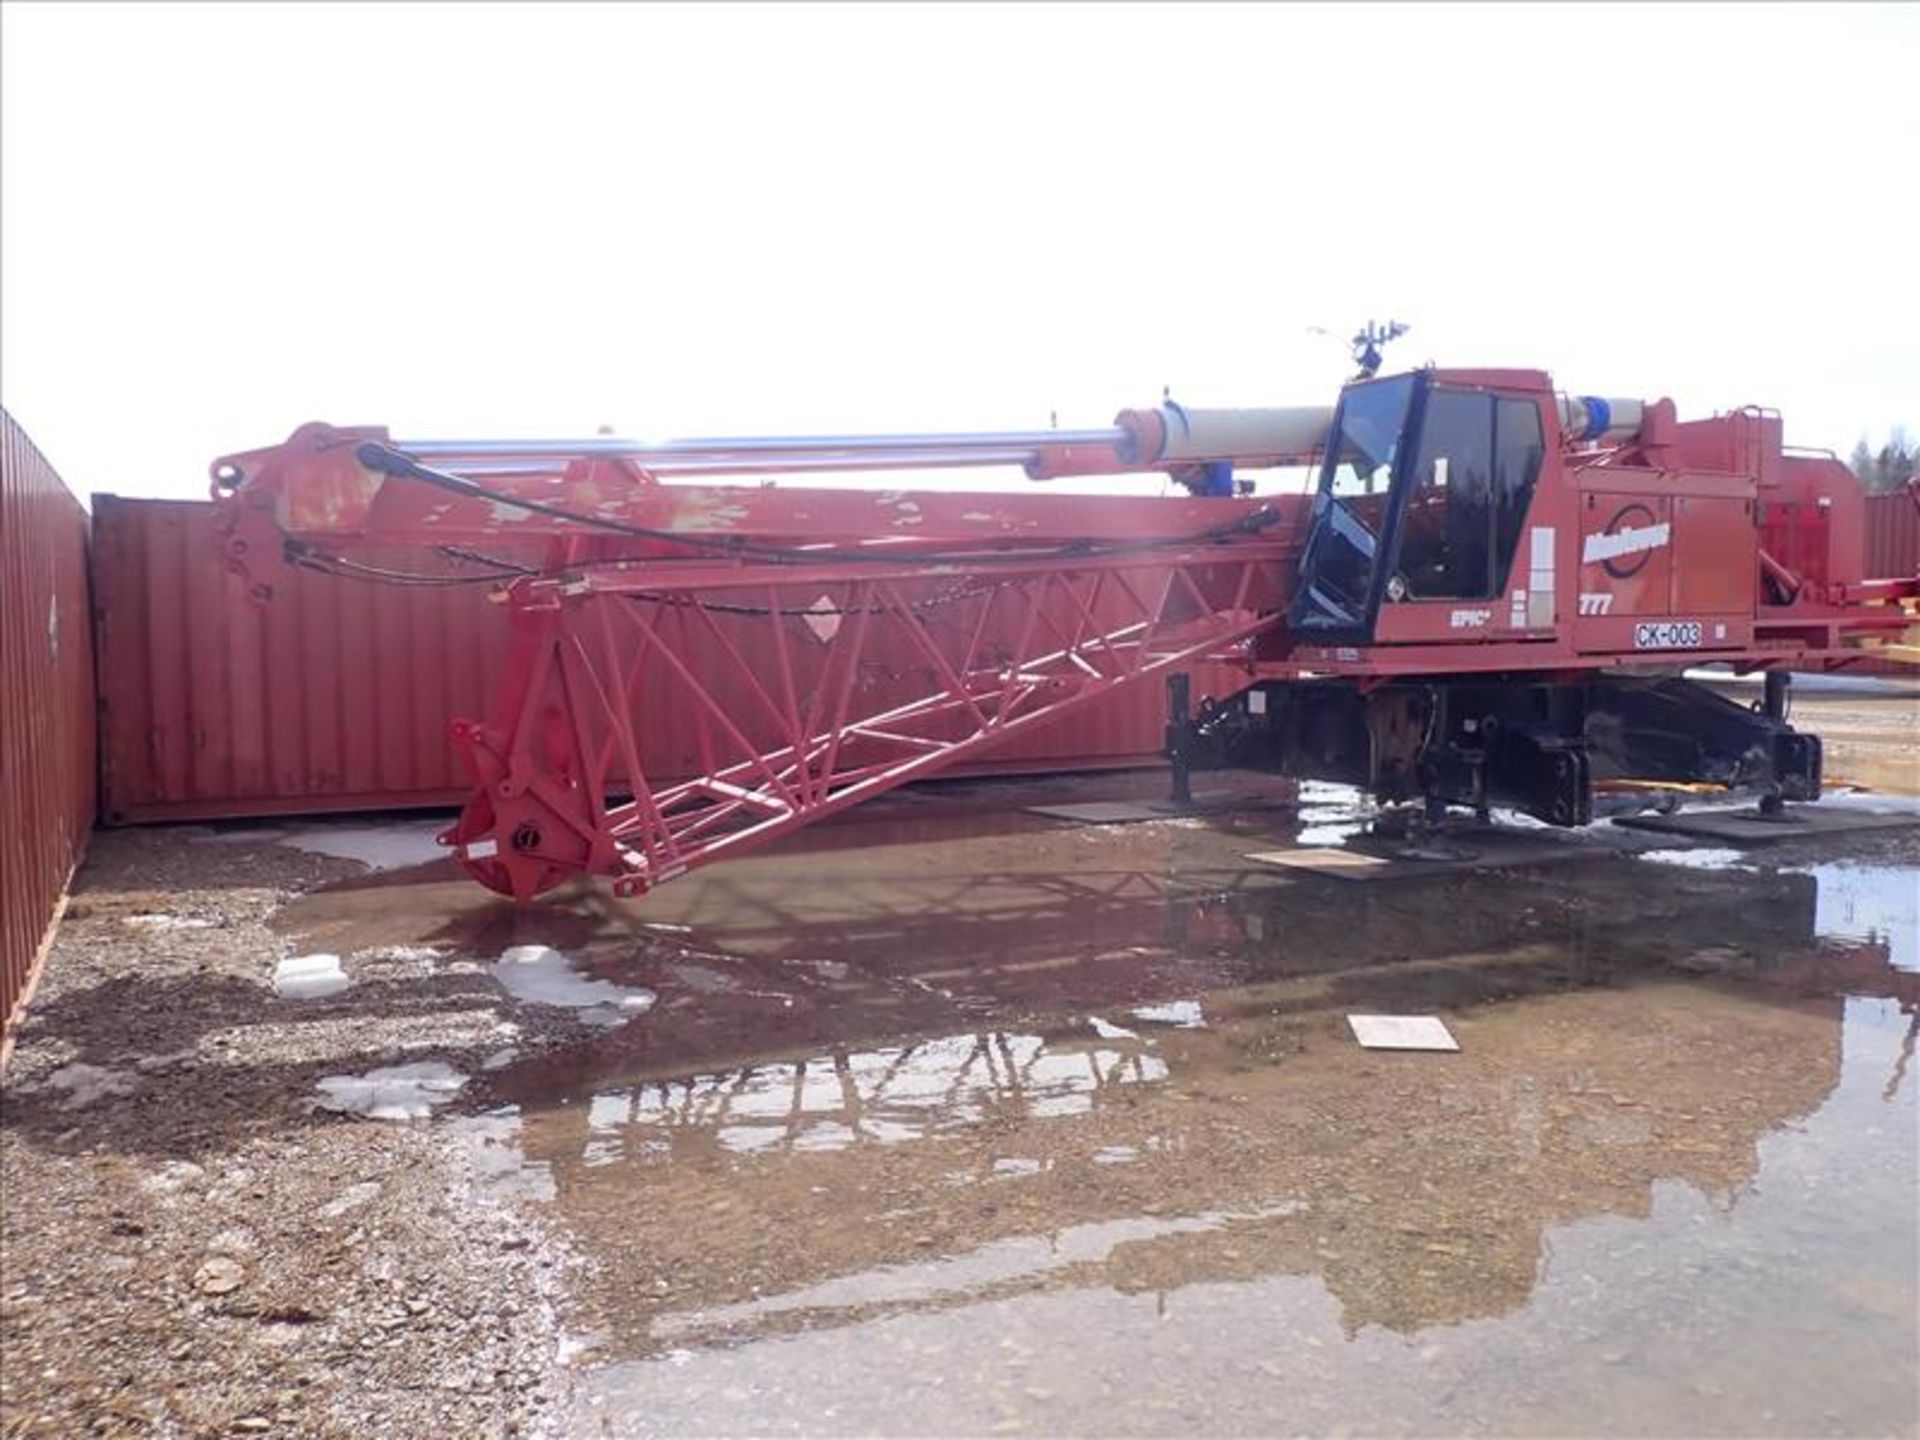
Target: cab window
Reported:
[(1517, 453), (1471, 485), (1446, 529)]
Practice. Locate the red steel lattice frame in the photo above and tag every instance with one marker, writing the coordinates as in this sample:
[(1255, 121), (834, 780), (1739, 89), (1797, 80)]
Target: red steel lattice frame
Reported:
[(561, 774)]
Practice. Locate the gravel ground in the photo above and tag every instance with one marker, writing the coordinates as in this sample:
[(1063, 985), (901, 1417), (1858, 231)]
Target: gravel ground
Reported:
[(191, 1246)]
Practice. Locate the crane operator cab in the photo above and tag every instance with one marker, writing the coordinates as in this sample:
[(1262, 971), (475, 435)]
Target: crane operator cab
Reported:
[(1423, 497), (1439, 524)]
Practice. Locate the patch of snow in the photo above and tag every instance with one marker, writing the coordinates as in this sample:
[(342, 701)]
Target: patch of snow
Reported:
[(153, 1064), (169, 922), (86, 1084), (606, 1017), (1108, 1031), (701, 978), (1814, 682), (406, 952), (1185, 1014), (235, 1241), (378, 847), (310, 977), (351, 1198), (173, 1176), (1704, 858), (541, 975), (572, 1347), (397, 1092), (1870, 802)]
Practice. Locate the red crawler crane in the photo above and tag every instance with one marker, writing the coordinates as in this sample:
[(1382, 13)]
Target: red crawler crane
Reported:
[(1488, 598)]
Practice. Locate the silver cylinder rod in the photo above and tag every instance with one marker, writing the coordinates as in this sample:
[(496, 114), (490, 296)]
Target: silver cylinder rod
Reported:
[(661, 453), (766, 464)]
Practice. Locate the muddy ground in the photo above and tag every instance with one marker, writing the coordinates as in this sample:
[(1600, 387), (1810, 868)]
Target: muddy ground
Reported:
[(957, 1119)]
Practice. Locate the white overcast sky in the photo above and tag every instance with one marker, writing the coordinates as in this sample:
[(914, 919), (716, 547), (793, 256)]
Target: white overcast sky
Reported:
[(222, 221)]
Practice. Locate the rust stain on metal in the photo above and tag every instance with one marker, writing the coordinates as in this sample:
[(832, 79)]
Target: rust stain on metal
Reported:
[(706, 510)]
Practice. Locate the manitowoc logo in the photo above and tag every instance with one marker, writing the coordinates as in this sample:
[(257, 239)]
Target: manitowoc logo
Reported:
[(1628, 540)]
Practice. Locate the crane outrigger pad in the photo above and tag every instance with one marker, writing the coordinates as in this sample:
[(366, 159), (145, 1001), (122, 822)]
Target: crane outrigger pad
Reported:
[(1123, 812), (1481, 849), (1749, 826)]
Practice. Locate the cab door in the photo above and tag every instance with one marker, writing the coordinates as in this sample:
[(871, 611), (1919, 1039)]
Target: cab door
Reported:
[(1338, 589), (1460, 518)]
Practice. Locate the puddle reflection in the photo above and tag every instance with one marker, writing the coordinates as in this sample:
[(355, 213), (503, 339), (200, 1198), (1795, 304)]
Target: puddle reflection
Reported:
[(1876, 903), (885, 1096), (1597, 1234)]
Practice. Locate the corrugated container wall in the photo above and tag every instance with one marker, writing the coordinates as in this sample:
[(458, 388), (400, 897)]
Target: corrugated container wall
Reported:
[(46, 704), (1893, 536), (336, 695), (333, 697), (1893, 550)]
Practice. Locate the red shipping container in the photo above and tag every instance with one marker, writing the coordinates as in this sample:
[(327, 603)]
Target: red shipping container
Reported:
[(337, 694), (46, 705), (1893, 549)]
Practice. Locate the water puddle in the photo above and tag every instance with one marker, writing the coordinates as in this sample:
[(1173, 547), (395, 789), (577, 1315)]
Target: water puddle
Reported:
[(392, 845), (1237, 1213), (1004, 1127), (491, 1141), (1878, 904), (1019, 1259), (1630, 1217)]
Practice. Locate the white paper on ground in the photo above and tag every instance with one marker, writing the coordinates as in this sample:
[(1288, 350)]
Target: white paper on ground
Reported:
[(1402, 1032)]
